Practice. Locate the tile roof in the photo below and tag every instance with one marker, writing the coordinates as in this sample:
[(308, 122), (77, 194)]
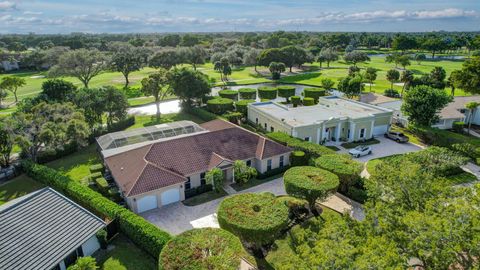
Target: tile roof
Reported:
[(169, 162), (40, 229), (451, 111)]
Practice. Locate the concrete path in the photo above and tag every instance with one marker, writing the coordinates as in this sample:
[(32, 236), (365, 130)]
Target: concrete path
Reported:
[(472, 132)]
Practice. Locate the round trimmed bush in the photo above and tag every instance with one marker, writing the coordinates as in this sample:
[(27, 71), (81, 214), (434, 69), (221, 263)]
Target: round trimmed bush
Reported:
[(313, 92), (307, 101), (267, 92), (206, 248), (227, 93), (256, 218), (347, 169), (310, 183), (247, 93), (286, 91), (296, 100), (220, 105), (241, 105), (298, 158)]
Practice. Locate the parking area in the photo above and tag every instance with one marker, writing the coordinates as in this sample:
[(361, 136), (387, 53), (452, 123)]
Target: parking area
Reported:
[(387, 147)]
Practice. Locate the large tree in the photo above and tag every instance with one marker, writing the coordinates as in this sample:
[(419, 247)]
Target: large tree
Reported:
[(116, 104), (126, 59), (327, 55), (294, 55), (468, 78), (422, 103), (58, 90), (50, 127), (157, 85), (351, 86), (195, 55), (276, 68), (92, 102), (7, 140), (250, 57), (12, 83), (165, 58), (370, 75), (356, 57), (472, 106), (406, 78), (189, 85), (392, 76), (83, 64)]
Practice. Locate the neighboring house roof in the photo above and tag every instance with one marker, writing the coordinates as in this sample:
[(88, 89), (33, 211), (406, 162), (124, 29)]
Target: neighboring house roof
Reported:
[(169, 162), (40, 229), (375, 99), (452, 110)]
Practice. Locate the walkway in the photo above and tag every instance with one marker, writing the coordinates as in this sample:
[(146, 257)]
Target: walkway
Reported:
[(472, 132)]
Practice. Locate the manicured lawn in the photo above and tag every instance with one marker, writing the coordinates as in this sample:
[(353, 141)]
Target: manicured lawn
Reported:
[(254, 182), (204, 197), (18, 187), (77, 165), (150, 120), (351, 145), (413, 138), (124, 255)]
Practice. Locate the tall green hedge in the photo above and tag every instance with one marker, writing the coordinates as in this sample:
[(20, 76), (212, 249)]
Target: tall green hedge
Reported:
[(257, 218), (143, 233), (313, 92), (220, 105), (202, 113), (307, 101), (267, 92), (296, 100), (347, 169), (311, 149), (222, 251), (286, 91), (227, 93), (298, 158), (247, 93), (241, 105)]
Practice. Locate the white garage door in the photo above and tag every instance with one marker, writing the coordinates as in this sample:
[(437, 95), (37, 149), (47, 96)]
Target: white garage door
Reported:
[(380, 130), (170, 196), (146, 203)]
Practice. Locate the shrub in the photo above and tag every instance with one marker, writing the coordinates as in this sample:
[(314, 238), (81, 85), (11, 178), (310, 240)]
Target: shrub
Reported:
[(95, 175), (231, 94), (243, 173), (220, 105), (298, 158), (84, 263), (347, 169), (296, 100), (298, 208), (223, 251), (233, 117), (214, 177), (357, 194), (143, 233), (247, 93), (391, 93), (102, 185), (458, 126), (438, 137), (96, 168), (266, 92), (310, 183), (202, 114), (272, 172), (466, 149), (311, 149), (50, 155), (102, 238), (256, 218), (308, 101), (313, 92), (241, 105), (286, 91)]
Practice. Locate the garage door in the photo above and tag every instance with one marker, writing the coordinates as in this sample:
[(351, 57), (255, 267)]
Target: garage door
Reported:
[(380, 130), (146, 203), (170, 196)]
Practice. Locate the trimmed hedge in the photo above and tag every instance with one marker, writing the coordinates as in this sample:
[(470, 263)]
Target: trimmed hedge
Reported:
[(307, 101), (233, 117), (220, 105), (247, 93), (97, 168), (267, 92), (143, 233), (298, 158), (310, 183), (296, 100), (347, 169), (224, 250), (458, 126), (51, 155), (241, 105), (311, 149), (202, 114), (227, 93), (313, 92), (256, 218), (102, 185), (286, 91)]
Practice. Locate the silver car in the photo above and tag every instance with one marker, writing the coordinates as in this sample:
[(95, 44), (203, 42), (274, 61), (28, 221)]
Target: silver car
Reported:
[(396, 136), (361, 150)]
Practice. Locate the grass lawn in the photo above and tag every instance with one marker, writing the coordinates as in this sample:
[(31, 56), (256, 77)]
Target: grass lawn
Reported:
[(77, 165), (204, 197), (413, 138), (124, 255), (350, 145), (149, 120), (18, 187), (254, 182)]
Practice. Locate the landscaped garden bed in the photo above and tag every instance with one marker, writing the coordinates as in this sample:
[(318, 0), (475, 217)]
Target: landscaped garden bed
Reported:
[(350, 145)]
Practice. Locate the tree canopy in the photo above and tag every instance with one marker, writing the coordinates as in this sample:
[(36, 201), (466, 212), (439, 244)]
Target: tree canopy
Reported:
[(422, 103)]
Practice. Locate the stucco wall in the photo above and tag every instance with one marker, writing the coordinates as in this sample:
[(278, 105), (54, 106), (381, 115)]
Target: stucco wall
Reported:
[(254, 115), (262, 164)]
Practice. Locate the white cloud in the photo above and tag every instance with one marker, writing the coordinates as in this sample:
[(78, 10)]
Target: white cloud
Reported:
[(32, 12), (7, 5)]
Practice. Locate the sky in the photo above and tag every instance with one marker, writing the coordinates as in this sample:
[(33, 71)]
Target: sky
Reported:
[(122, 16)]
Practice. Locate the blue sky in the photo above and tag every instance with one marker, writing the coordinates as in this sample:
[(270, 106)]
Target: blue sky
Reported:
[(120, 16)]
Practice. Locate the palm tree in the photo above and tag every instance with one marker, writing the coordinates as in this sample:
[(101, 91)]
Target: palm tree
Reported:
[(217, 66), (407, 78), (472, 107)]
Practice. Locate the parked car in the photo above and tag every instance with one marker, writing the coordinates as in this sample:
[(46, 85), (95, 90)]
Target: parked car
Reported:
[(396, 136), (361, 150)]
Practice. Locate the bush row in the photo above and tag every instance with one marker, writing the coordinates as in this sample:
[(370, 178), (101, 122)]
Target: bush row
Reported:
[(247, 93), (314, 93), (313, 150), (267, 92), (241, 105), (227, 93), (141, 232), (202, 114), (220, 105)]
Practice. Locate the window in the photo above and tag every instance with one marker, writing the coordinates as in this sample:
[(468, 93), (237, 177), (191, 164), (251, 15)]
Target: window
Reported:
[(256, 121), (249, 163), (71, 258), (272, 129), (187, 183), (281, 161), (269, 165), (307, 139), (203, 181), (265, 126), (362, 133)]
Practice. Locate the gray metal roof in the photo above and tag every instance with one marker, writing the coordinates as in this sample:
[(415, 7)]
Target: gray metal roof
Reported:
[(40, 229)]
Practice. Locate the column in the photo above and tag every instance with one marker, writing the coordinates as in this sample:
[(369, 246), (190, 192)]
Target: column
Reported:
[(318, 137), (338, 130), (371, 129), (352, 132)]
